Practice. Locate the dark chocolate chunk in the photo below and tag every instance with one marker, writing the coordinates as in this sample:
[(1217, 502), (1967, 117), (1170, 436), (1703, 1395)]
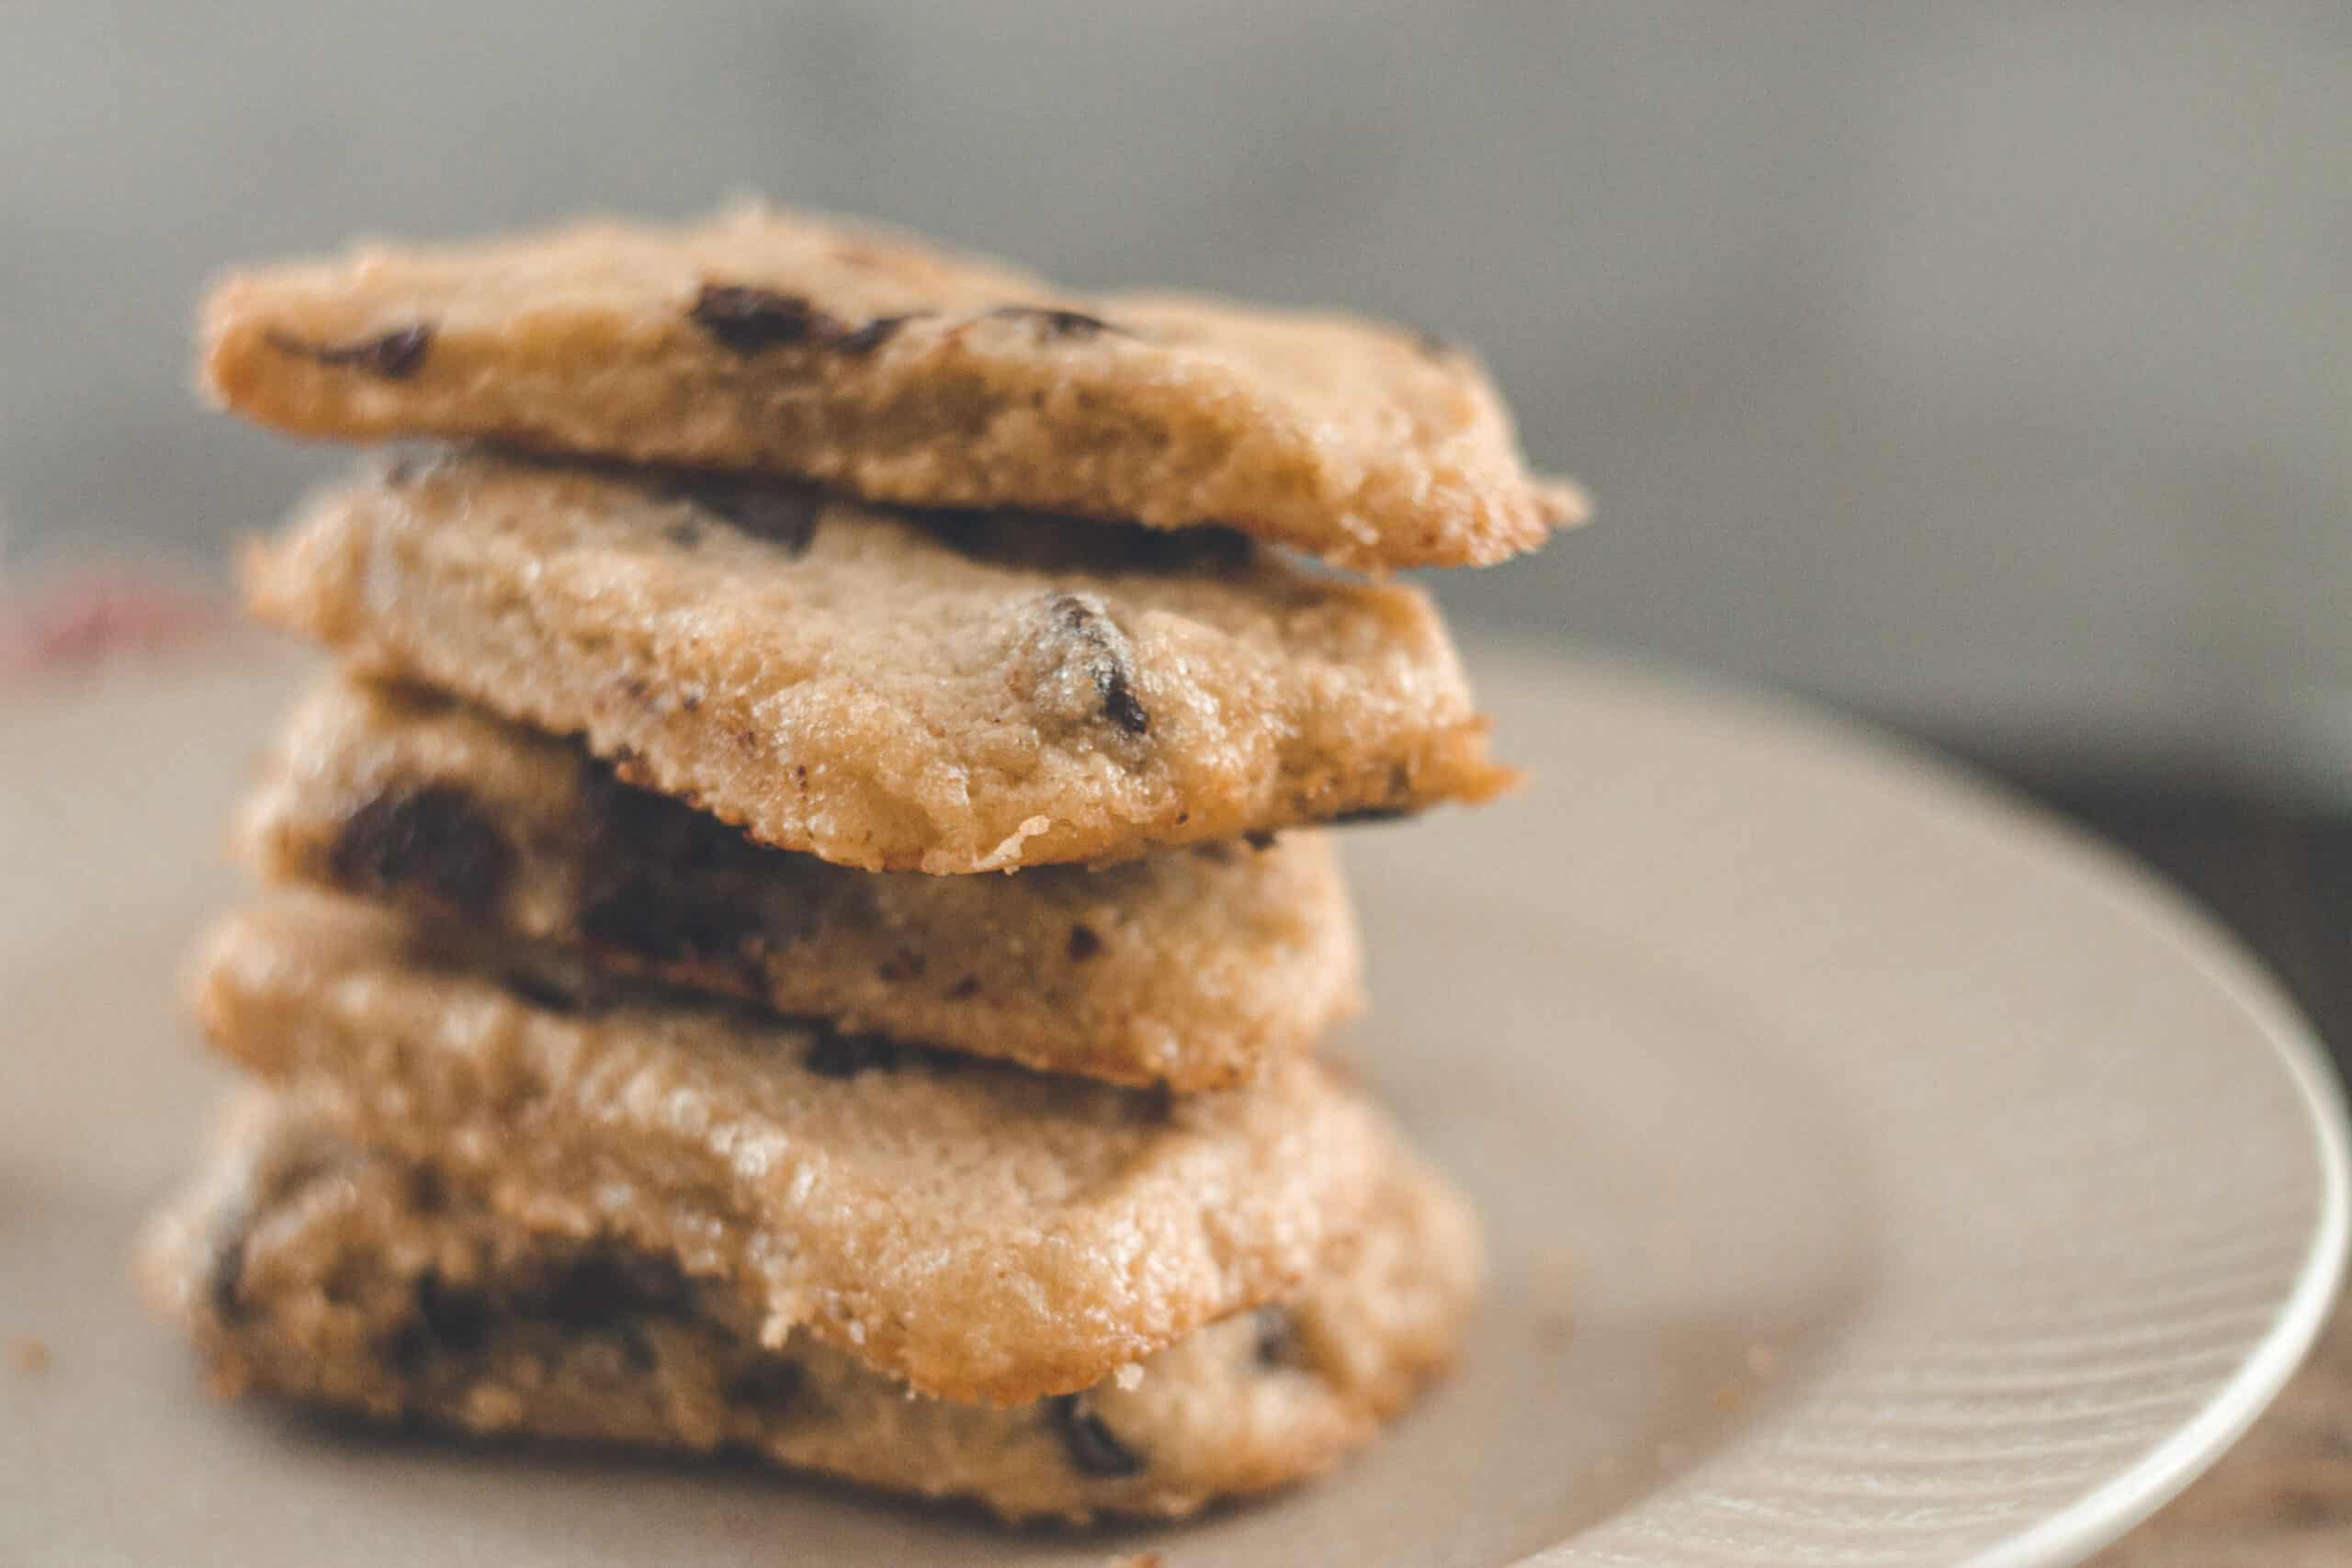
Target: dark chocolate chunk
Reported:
[(654, 912), (871, 337), (1093, 1448), (750, 320), (1097, 548), (394, 355), (1260, 839), (543, 992), (769, 1384), (1278, 1343), (965, 990), (427, 1193), (1057, 323), (785, 513), (636, 1346), (904, 964), (431, 840), (834, 1055), (455, 1318), (1370, 814), (1084, 942), (1107, 660), (599, 1289)]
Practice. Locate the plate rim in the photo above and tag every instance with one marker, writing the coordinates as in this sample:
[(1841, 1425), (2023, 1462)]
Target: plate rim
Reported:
[(1938, 778), (2110, 1510)]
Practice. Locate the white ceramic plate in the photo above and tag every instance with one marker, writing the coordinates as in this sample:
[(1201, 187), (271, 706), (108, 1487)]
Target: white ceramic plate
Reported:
[(1876, 1174)]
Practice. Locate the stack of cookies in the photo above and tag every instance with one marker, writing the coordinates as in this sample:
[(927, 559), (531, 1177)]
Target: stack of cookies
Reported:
[(836, 971)]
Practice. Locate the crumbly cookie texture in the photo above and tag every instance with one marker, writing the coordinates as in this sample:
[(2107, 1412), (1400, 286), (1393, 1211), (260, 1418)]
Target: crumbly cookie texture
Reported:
[(980, 1231), (892, 692), (304, 1265), (896, 371), (1190, 970)]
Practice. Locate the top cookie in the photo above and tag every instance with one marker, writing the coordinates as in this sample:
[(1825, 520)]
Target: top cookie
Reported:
[(896, 371)]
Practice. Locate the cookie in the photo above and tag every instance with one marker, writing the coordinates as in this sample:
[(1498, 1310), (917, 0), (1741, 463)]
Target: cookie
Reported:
[(303, 1265), (898, 372), (891, 691), (1189, 970), (977, 1231)]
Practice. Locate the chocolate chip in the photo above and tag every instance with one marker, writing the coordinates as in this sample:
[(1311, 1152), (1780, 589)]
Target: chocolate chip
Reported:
[(1055, 323), (225, 1273), (834, 1055), (750, 320), (599, 1289), (1091, 1448), (1366, 815), (1260, 840), (1107, 659), (427, 1193), (871, 337), (431, 840), (407, 1347), (1084, 944), (655, 913), (1432, 345), (769, 1384), (965, 990), (784, 513), (543, 992), (636, 1346), (395, 355), (1094, 546), (1278, 1343), (904, 964), (455, 1318)]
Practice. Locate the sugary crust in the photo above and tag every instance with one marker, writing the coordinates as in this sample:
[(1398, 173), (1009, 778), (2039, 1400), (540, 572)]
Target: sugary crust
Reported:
[(1192, 970), (898, 372), (302, 1265), (886, 691), (982, 1233)]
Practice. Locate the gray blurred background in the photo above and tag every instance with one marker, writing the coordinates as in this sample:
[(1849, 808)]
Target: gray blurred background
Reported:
[(1986, 369)]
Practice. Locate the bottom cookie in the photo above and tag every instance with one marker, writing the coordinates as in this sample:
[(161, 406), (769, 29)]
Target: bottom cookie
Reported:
[(303, 1265)]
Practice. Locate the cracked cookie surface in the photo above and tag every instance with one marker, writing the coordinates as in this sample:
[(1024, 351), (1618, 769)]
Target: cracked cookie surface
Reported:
[(944, 693), (898, 371), (981, 1232), (1192, 970), (305, 1266)]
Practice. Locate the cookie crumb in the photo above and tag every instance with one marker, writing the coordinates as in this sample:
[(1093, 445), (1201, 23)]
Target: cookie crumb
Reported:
[(31, 1355)]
